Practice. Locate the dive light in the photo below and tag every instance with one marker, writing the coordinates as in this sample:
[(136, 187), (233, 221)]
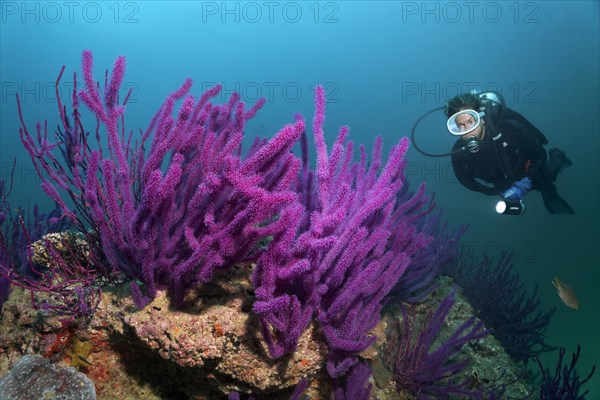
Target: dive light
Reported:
[(510, 207)]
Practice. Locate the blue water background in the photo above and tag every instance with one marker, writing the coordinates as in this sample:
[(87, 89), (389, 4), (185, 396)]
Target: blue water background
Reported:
[(383, 64)]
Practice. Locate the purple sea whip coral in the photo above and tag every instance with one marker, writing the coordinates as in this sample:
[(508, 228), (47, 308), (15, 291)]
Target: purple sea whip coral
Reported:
[(181, 204), (6, 228), (428, 373), (189, 206), (565, 383), (501, 301), (426, 264), (67, 288), (354, 241)]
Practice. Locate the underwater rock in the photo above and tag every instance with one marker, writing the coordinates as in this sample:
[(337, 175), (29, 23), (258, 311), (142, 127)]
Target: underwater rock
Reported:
[(213, 346), (205, 350), (33, 377), (490, 366), (209, 348), (68, 246)]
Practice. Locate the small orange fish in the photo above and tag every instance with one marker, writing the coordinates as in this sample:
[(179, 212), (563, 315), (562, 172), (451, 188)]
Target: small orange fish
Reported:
[(566, 294)]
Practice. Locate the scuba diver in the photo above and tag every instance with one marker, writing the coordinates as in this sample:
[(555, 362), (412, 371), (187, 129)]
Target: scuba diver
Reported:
[(499, 152)]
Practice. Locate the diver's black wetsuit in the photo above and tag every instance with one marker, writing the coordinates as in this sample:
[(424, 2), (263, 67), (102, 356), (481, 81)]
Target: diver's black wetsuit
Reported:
[(513, 152)]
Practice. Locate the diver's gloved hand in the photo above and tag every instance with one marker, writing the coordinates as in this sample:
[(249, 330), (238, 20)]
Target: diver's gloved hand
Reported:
[(518, 190)]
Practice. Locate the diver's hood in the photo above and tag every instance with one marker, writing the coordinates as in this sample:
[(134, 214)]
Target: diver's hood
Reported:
[(464, 121)]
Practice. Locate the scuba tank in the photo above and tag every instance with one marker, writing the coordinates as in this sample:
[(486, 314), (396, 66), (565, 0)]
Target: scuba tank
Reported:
[(492, 104)]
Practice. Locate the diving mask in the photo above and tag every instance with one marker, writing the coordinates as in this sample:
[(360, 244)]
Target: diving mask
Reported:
[(464, 121)]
